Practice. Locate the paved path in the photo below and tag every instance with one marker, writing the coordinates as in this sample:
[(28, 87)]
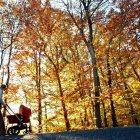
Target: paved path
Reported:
[(120, 133)]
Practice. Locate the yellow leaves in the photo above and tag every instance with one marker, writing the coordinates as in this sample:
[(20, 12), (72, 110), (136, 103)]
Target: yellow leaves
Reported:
[(136, 85)]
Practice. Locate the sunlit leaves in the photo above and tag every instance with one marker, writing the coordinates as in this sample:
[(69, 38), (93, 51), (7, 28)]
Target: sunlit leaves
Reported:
[(50, 51)]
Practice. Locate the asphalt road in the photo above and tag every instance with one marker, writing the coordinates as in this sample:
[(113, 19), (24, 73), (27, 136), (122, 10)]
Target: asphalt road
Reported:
[(120, 133)]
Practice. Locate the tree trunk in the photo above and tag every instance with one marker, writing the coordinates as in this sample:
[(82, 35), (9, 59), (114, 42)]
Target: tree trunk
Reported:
[(98, 121), (103, 104), (67, 123), (56, 67), (38, 85), (113, 113), (135, 71), (86, 121), (132, 112), (39, 95), (105, 118), (46, 116)]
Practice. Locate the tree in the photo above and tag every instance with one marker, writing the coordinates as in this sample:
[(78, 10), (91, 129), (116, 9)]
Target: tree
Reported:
[(121, 27), (84, 17), (10, 28), (50, 64)]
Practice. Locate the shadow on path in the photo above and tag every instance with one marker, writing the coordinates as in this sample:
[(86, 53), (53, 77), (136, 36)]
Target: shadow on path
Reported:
[(120, 133)]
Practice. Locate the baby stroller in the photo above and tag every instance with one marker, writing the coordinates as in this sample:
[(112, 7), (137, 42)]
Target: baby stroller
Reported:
[(21, 119)]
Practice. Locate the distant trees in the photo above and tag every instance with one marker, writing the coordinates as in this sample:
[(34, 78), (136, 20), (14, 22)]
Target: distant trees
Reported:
[(116, 32)]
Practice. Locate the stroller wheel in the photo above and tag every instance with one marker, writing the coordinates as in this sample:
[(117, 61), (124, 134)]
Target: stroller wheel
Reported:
[(13, 130), (26, 132), (9, 131), (16, 130)]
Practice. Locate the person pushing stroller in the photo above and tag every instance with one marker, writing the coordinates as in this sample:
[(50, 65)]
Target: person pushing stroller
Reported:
[(2, 103), (21, 119)]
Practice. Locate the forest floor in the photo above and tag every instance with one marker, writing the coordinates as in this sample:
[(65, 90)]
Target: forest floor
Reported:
[(119, 133)]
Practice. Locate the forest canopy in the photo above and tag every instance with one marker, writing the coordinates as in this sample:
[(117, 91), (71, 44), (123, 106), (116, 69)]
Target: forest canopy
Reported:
[(76, 64)]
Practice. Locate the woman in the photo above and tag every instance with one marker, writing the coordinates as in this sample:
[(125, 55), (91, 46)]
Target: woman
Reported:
[(2, 125)]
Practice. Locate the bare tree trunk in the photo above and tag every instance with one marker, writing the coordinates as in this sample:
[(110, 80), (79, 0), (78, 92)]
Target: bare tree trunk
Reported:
[(8, 73), (38, 85), (46, 116), (105, 118), (132, 112), (67, 123), (56, 67), (98, 120), (95, 73), (103, 104), (113, 112)]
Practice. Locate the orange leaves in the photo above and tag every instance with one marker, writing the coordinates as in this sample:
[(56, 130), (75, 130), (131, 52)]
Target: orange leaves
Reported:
[(35, 4), (14, 88), (2, 3), (17, 11), (51, 63)]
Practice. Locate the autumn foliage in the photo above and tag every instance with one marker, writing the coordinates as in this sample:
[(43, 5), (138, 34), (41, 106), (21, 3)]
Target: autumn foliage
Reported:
[(45, 61)]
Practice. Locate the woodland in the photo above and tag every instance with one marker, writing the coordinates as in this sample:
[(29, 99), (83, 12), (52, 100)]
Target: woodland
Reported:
[(76, 64)]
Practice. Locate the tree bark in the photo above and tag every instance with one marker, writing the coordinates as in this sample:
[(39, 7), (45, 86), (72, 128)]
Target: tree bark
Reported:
[(38, 85), (113, 112), (98, 120), (132, 112), (67, 123), (105, 118)]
